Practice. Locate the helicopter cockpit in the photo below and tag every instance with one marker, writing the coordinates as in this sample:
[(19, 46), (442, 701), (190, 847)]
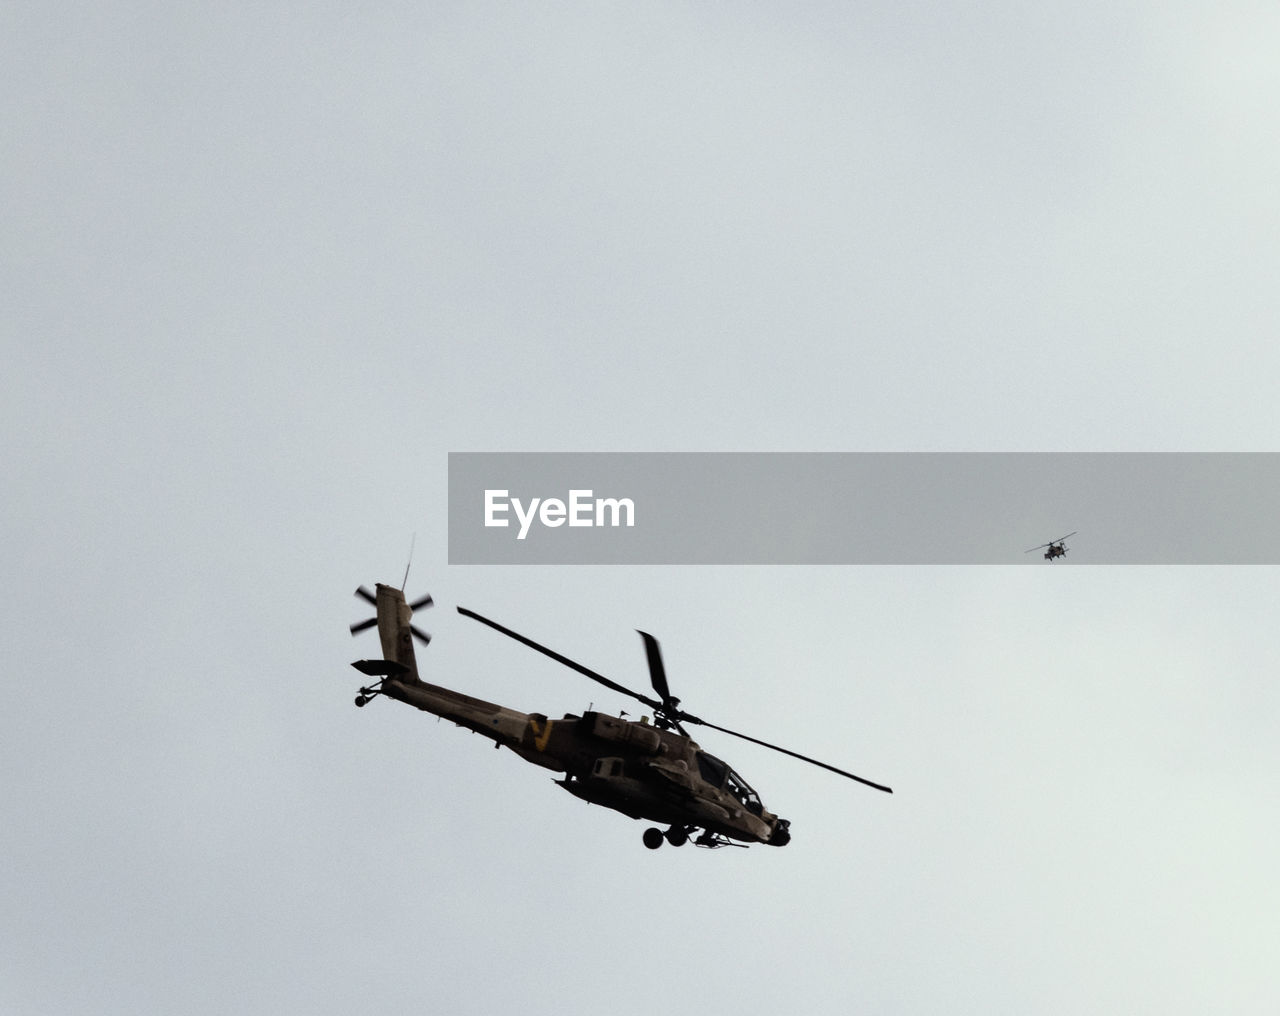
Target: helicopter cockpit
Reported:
[(719, 775)]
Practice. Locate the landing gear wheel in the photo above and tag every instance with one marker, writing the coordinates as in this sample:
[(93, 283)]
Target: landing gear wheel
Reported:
[(361, 701), (677, 836), (653, 838)]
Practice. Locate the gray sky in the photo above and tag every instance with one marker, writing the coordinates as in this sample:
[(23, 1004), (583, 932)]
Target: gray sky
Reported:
[(265, 266)]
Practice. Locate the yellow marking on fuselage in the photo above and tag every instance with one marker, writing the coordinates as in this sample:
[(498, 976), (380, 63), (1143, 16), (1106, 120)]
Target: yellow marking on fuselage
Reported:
[(540, 739)]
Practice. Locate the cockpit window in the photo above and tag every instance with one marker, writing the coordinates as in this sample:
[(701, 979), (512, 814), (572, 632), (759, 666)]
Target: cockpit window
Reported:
[(718, 774), (739, 789), (712, 769)]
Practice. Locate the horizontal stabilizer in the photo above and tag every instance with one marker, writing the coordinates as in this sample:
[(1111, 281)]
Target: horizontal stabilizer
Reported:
[(381, 668)]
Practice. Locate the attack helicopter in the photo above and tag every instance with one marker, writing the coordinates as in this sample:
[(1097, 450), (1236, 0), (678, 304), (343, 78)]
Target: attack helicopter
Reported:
[(645, 770), (1056, 548)]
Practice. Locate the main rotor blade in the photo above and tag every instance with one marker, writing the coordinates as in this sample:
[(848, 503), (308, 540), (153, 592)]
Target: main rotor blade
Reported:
[(1052, 542), (786, 751), (657, 672), (584, 671), (658, 675)]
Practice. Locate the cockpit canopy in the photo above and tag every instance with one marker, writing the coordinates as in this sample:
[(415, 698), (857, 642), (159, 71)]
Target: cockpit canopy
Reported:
[(719, 775)]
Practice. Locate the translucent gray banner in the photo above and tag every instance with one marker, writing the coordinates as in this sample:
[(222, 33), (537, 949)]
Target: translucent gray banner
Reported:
[(863, 508)]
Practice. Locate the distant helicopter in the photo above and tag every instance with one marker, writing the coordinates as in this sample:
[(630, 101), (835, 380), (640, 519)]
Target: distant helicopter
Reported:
[(643, 770), (1056, 548)]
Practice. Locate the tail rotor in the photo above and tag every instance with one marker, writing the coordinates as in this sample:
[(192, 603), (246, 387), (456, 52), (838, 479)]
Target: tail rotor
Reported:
[(421, 603)]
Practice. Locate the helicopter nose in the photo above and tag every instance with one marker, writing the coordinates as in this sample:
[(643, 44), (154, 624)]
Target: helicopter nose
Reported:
[(781, 833)]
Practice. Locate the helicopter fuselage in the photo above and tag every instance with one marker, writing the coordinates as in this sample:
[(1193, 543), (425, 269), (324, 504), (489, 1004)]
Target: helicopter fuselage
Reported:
[(632, 767)]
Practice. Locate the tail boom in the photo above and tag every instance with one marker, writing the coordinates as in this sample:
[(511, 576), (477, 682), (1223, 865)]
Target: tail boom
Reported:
[(500, 724)]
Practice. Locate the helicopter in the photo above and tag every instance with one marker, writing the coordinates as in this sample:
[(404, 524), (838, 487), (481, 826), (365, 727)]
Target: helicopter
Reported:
[(645, 770), (1056, 548)]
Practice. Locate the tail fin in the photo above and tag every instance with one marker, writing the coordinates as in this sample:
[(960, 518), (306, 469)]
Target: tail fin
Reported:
[(395, 628)]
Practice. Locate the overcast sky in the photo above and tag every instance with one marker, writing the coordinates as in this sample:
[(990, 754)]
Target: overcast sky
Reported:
[(265, 266)]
